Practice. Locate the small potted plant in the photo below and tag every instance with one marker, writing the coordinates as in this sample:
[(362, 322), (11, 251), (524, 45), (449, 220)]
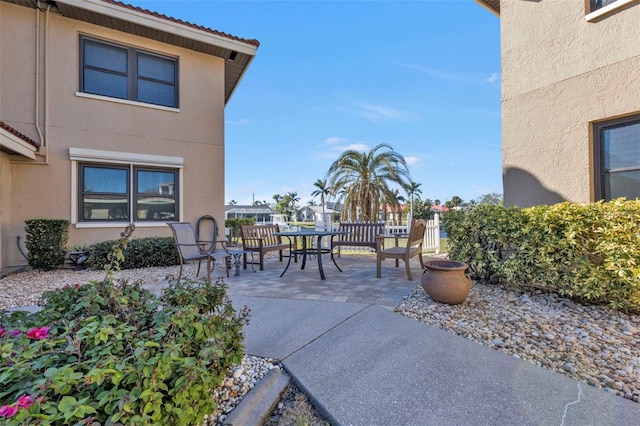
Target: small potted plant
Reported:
[(445, 281)]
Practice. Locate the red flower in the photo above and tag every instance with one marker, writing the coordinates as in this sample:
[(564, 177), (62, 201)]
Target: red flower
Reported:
[(2, 332), (25, 401), (8, 410), (38, 333)]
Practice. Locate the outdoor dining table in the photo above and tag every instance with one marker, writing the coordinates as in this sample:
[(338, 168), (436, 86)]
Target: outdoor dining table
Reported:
[(310, 246)]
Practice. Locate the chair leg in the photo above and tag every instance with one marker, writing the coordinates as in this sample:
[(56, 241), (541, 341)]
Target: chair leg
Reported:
[(407, 266), (198, 271), (244, 260), (378, 265), (262, 261), (180, 273)]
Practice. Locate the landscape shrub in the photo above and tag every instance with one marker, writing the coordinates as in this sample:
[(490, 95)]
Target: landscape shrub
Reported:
[(140, 253), (588, 252), (236, 223), (114, 353), (46, 241)]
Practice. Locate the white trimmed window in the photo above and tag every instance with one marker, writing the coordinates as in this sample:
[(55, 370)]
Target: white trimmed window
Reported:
[(617, 158), (123, 72), (117, 187)]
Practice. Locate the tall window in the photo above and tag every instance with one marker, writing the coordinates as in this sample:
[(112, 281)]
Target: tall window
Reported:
[(618, 158), (106, 193), (123, 72)]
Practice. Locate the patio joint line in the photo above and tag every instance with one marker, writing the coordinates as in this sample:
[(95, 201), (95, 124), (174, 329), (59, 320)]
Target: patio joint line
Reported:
[(327, 331)]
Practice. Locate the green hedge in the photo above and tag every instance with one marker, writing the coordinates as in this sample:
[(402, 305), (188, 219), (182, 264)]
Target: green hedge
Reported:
[(46, 241), (139, 253), (588, 252), (235, 225)]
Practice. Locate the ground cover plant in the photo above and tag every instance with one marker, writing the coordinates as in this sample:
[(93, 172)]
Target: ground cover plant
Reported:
[(112, 352), (587, 252)]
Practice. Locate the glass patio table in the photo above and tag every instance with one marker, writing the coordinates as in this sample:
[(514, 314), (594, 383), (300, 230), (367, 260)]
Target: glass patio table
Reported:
[(311, 245)]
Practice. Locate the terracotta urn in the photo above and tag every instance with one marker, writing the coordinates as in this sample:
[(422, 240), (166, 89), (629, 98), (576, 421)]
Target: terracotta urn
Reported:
[(445, 281)]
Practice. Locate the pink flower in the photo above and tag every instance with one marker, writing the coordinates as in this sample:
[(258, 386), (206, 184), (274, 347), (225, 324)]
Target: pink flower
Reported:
[(15, 333), (25, 401), (38, 333), (2, 332), (8, 410)]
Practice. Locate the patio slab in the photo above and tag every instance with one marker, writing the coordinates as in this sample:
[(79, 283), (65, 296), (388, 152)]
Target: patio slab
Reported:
[(364, 365)]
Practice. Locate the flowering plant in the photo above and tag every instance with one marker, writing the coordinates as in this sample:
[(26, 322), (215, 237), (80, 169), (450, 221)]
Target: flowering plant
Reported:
[(113, 353)]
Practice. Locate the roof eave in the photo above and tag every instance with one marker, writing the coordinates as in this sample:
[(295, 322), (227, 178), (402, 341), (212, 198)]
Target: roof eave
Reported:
[(132, 20), (15, 144), (492, 6)]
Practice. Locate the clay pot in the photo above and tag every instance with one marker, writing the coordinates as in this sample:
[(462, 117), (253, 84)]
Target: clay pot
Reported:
[(445, 281)]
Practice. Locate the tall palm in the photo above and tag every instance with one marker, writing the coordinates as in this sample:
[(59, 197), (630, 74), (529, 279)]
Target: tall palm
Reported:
[(413, 188), (365, 178), (323, 191), (292, 203)]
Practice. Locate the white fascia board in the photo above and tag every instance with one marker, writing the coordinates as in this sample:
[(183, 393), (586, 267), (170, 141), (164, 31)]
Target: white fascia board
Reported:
[(17, 145), (133, 16), (96, 155)]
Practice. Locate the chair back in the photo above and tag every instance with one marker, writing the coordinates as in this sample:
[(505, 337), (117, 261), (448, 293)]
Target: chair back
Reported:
[(207, 230), (185, 239), (416, 233)]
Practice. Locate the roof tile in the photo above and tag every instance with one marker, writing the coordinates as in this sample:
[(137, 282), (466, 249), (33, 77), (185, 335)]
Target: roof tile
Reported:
[(252, 41), (18, 134)]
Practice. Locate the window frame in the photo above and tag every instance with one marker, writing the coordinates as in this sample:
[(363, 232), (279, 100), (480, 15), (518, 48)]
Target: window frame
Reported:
[(594, 15), (132, 162), (132, 74), (598, 140)]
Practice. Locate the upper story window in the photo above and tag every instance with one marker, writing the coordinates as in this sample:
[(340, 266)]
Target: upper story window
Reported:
[(598, 4), (124, 72), (617, 154)]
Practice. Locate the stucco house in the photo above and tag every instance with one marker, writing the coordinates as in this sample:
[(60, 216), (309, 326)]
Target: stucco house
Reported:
[(570, 104), (110, 114)]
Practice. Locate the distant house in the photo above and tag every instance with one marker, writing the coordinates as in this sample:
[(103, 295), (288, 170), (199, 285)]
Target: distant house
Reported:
[(314, 214), (110, 114), (261, 214), (570, 104)]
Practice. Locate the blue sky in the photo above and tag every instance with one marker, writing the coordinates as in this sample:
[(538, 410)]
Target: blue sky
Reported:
[(420, 76)]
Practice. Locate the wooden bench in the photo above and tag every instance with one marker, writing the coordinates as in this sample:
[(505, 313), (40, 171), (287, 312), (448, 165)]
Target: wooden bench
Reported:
[(260, 239), (359, 235)]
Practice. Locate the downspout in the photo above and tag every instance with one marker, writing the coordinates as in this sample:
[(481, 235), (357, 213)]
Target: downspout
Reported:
[(39, 68)]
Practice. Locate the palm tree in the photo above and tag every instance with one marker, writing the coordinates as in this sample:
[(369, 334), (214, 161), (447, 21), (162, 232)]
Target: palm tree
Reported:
[(412, 189), (233, 203), (365, 179), (322, 191), (394, 200)]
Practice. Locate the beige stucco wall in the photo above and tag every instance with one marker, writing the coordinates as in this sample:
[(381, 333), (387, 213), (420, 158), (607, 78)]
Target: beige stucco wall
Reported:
[(560, 74), (195, 133)]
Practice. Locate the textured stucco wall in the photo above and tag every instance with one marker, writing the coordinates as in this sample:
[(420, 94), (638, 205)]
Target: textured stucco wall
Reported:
[(560, 74), (195, 133)]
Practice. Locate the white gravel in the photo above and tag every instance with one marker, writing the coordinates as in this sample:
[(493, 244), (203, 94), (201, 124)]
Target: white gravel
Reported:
[(594, 344)]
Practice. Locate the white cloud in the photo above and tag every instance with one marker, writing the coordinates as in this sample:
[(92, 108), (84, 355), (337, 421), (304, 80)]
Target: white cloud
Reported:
[(492, 78), (375, 112), (357, 147), (492, 145), (411, 160), (334, 140), (437, 73)]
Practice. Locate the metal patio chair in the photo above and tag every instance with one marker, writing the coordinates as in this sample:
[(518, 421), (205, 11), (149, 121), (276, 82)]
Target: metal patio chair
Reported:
[(190, 249)]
